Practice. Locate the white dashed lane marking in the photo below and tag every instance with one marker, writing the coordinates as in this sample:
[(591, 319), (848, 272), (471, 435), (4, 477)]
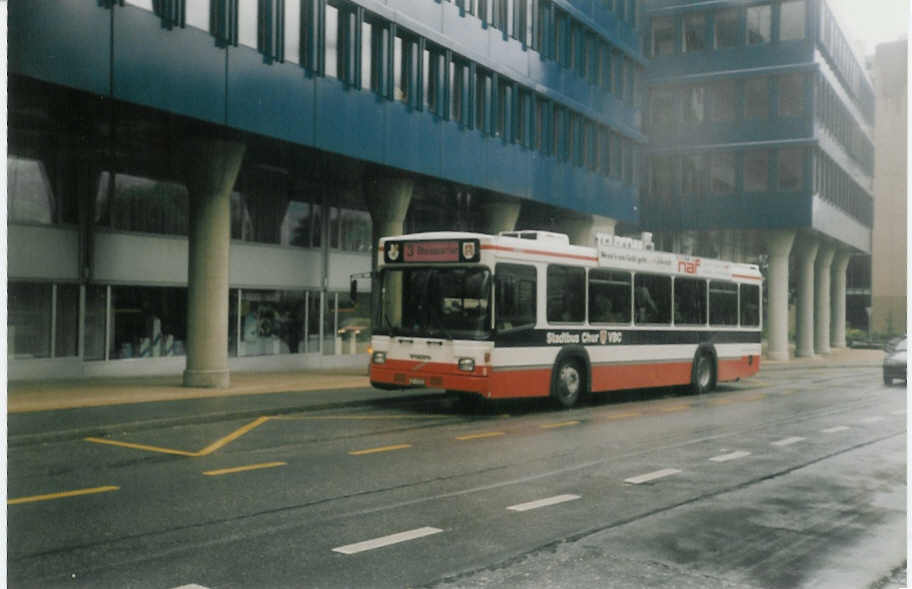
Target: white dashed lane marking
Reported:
[(191, 586), (651, 476), (833, 430), (787, 441), (729, 456), (543, 502), (387, 540)]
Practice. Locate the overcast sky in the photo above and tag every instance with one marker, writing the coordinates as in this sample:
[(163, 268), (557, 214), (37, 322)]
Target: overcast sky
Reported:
[(870, 22)]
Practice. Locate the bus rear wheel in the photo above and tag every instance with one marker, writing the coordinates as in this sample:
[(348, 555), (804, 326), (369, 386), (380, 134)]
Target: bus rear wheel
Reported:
[(567, 383), (701, 376)]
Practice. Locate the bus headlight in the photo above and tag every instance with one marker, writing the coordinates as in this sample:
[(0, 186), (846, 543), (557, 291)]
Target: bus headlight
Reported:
[(467, 364), (379, 358)]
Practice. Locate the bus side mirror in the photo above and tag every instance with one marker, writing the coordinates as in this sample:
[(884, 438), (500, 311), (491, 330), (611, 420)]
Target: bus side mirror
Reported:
[(353, 291)]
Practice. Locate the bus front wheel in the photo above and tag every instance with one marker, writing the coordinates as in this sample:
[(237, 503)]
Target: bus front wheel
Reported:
[(701, 379), (567, 383)]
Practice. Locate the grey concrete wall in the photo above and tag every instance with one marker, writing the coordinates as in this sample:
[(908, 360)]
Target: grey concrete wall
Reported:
[(42, 253)]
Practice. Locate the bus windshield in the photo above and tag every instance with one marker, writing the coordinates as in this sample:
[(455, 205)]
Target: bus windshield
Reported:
[(444, 302)]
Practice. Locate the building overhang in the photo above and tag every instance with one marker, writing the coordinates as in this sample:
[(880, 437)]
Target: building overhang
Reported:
[(832, 221)]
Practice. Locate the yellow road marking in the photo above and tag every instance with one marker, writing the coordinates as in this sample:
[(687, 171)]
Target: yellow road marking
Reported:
[(141, 447), (477, 436), (674, 408), (62, 495), (561, 424), (380, 449), (221, 471), (204, 452), (623, 415), (232, 436), (354, 417)]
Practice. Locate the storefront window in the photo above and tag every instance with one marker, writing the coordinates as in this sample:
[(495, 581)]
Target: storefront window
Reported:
[(66, 332), (29, 195), (96, 307), (148, 322), (272, 322), (28, 320)]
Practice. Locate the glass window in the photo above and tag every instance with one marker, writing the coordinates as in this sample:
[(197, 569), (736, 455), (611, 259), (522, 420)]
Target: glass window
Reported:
[(28, 325), (791, 20), (503, 94), (400, 61), (663, 178), (756, 170), (616, 148), (609, 296), (67, 322), (566, 291), (197, 14), (756, 98), (96, 306), (759, 24), (144, 4), (693, 105), (750, 305), (722, 172), (791, 169), (663, 109), (148, 322), (146, 205), (29, 195), (293, 31), (690, 301), (247, 22), (662, 35), (724, 95), (297, 225), (652, 299), (693, 174), (791, 95), (723, 303), (355, 230), (273, 321), (332, 61), (515, 287), (725, 30), (368, 81), (694, 34)]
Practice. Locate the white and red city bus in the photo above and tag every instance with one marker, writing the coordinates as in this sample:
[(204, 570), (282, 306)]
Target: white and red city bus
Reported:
[(526, 314)]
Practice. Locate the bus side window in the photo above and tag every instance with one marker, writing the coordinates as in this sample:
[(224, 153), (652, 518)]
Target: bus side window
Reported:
[(723, 303), (652, 298), (690, 301), (609, 296), (515, 287), (566, 292), (750, 305)]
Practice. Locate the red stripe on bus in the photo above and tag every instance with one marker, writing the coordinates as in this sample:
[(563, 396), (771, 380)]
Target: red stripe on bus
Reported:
[(504, 248), (747, 276)]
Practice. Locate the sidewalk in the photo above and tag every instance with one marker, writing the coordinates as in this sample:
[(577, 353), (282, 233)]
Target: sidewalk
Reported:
[(48, 395)]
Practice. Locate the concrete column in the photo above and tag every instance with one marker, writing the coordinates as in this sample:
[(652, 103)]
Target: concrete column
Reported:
[(499, 213), (778, 247), (838, 299), (582, 228), (822, 282), (210, 168), (388, 200), (807, 254)]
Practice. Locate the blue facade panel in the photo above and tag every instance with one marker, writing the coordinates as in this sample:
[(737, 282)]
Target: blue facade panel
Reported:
[(180, 71), (349, 121), (461, 153), (275, 100), (64, 42)]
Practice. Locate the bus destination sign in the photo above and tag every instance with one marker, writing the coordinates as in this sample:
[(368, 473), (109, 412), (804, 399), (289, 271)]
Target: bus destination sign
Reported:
[(430, 251)]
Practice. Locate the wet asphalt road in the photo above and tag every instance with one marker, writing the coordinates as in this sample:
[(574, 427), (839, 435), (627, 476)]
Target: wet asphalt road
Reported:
[(790, 479)]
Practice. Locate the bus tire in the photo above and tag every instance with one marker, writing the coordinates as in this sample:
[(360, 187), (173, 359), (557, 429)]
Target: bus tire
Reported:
[(703, 373), (568, 382)]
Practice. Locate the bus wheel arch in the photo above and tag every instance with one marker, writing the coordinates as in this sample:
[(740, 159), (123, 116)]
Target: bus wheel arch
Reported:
[(570, 376), (704, 370)]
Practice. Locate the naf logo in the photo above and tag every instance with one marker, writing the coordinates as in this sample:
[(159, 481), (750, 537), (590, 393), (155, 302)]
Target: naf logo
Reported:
[(688, 267)]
